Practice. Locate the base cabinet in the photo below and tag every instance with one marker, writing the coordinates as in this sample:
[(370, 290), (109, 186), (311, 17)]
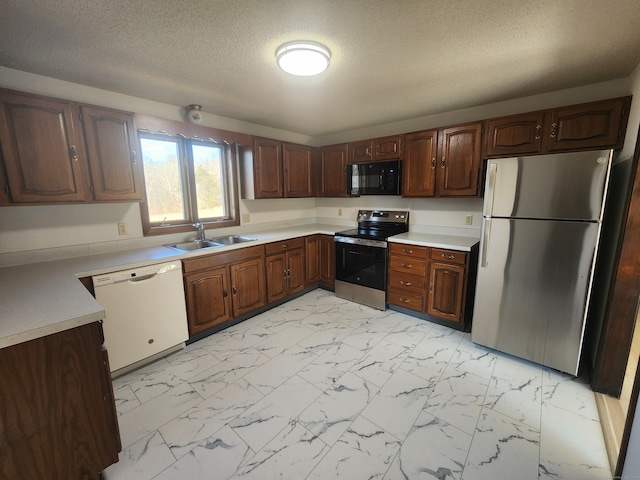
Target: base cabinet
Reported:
[(321, 263), (432, 281), (285, 267), (58, 417), (220, 287)]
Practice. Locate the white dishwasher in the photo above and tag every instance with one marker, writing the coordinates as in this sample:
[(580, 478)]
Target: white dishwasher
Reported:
[(145, 312)]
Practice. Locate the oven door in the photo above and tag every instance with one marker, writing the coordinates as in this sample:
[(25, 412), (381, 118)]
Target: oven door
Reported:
[(361, 262)]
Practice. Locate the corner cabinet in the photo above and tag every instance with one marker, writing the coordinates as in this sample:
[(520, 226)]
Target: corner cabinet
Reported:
[(333, 170), (285, 268), (58, 412), (223, 286), (321, 263), (585, 126), (438, 283), (277, 170), (55, 151), (444, 162)]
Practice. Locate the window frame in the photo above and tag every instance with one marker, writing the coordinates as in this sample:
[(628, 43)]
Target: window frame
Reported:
[(230, 171)]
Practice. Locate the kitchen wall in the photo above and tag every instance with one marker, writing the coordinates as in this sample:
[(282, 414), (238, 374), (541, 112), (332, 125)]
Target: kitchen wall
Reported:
[(31, 233)]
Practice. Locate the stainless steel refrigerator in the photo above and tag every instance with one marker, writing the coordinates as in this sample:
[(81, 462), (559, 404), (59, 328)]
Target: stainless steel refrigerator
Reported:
[(540, 230)]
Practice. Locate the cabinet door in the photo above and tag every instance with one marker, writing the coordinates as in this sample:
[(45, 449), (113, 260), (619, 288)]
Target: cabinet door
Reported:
[(446, 291), (116, 173), (327, 261), (312, 255), (296, 271), (276, 277), (591, 125), (248, 286), (361, 152), (387, 148), (419, 166), (296, 162), (333, 175), (267, 168), (458, 167), (207, 295), (517, 134), (44, 161)]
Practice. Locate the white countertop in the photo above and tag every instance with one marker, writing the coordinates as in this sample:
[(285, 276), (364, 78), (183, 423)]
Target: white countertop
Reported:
[(45, 298), (451, 242)]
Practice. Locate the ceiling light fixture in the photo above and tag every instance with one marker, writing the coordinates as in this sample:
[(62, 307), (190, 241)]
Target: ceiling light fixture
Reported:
[(194, 114), (303, 58)]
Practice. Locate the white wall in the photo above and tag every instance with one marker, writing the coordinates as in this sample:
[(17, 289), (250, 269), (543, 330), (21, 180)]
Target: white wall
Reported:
[(83, 229)]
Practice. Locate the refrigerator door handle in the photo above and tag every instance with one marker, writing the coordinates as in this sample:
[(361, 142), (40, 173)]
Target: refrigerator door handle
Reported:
[(492, 173), (486, 238)]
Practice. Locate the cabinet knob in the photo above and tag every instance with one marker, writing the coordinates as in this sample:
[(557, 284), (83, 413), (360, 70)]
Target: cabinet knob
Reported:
[(403, 300), (225, 293), (404, 250), (406, 284), (538, 132), (433, 163), (554, 129), (442, 162), (234, 290), (450, 257), (431, 288), (284, 274), (406, 265)]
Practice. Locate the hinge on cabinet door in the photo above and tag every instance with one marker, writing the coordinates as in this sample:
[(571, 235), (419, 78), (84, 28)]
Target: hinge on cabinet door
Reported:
[(91, 188), (6, 189), (81, 116)]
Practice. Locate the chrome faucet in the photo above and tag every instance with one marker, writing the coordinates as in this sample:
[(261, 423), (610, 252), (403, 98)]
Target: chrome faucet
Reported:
[(200, 227)]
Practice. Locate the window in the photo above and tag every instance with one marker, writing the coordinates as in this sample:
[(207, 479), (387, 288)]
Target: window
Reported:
[(187, 181)]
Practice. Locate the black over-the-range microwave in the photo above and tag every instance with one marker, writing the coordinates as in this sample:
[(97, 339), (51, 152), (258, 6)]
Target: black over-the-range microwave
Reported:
[(378, 178)]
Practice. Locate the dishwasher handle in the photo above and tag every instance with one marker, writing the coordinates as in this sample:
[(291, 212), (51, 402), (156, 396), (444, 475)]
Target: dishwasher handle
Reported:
[(141, 278)]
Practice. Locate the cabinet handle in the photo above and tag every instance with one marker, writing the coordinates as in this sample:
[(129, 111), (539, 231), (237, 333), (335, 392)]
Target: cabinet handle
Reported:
[(404, 250), (134, 158), (257, 168), (225, 293), (285, 245), (538, 132), (406, 284), (450, 257), (442, 162), (554, 129), (403, 300), (288, 273), (406, 265), (284, 274), (286, 171), (377, 149), (234, 290), (73, 153), (433, 163), (431, 288)]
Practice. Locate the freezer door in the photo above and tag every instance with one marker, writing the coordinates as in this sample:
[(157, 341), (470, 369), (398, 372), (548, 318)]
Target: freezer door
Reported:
[(566, 186), (532, 290)]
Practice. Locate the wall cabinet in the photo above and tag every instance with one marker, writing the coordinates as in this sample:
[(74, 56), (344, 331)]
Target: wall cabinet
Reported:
[(55, 151), (285, 268), (220, 287), (58, 412), (585, 126), (444, 162), (376, 149), (433, 281), (333, 170), (321, 264), (277, 170)]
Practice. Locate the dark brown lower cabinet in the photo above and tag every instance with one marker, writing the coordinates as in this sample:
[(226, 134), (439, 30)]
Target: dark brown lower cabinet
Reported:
[(321, 263), (57, 414)]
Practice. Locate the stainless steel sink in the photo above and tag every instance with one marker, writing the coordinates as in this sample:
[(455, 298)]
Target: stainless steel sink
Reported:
[(230, 239), (210, 243), (194, 245)]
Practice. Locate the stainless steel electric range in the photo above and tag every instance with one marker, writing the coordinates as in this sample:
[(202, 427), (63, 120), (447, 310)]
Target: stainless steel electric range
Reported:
[(361, 256)]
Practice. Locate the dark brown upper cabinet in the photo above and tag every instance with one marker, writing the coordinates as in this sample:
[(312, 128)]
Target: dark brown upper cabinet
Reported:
[(333, 170), (376, 149)]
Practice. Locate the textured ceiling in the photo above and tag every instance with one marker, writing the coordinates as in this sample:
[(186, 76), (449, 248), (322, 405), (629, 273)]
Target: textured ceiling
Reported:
[(391, 60)]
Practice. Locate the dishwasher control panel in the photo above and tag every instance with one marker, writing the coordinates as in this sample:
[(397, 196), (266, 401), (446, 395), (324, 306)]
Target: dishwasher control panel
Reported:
[(136, 273)]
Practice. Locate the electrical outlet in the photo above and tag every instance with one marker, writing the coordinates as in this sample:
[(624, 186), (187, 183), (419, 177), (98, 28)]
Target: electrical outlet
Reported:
[(246, 218), (122, 229), (339, 212), (468, 220)]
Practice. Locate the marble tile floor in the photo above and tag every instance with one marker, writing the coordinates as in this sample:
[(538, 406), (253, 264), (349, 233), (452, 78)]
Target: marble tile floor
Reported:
[(323, 388)]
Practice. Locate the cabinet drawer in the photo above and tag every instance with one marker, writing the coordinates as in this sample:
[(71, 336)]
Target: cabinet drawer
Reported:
[(448, 256), (405, 300), (283, 246), (222, 258), (404, 282), (412, 265), (407, 250)]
